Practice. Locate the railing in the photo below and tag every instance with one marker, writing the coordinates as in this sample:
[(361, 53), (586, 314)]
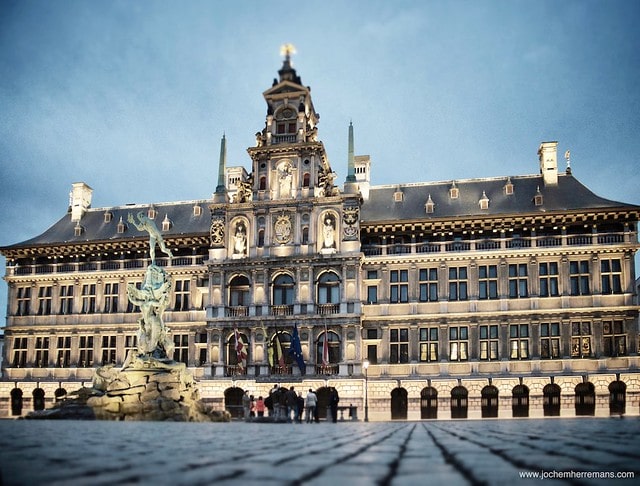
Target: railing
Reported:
[(106, 265), (492, 244), (234, 370), (237, 311), (281, 370), (284, 139), (327, 309), (281, 310), (328, 369)]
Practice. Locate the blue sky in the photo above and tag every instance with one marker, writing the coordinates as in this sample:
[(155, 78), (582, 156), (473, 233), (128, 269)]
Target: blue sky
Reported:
[(133, 97)]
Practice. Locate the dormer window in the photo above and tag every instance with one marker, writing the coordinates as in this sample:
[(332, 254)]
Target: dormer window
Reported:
[(398, 196), (121, 226), (538, 199), (108, 216), (197, 210), (151, 213), (508, 187), (77, 229), (166, 223), (484, 201), (429, 205), (454, 192)]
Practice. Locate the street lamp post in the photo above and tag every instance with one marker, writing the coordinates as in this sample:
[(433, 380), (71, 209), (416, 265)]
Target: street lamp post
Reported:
[(365, 365)]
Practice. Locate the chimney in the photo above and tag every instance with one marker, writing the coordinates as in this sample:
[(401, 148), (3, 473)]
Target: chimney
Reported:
[(79, 200), (548, 154)]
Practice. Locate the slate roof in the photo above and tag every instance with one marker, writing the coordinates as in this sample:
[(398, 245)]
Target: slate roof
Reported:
[(568, 195)]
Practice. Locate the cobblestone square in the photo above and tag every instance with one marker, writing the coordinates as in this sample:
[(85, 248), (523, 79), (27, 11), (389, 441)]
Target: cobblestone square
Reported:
[(355, 453)]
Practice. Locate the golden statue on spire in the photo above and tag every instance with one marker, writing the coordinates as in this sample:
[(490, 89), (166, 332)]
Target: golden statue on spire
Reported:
[(286, 50)]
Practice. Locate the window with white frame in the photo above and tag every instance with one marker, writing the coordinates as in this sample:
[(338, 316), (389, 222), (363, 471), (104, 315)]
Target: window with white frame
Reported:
[(181, 350), (63, 357), (519, 341), (85, 347), (181, 291), (579, 277), (44, 300), (550, 340), (488, 282), (614, 339), (611, 275), (20, 347), (24, 301), (518, 287), (458, 283), (549, 279), (428, 344), (88, 298), (581, 339), (428, 284), (399, 286), (399, 345), (66, 299), (108, 350), (458, 343), (111, 297), (488, 339), (42, 352)]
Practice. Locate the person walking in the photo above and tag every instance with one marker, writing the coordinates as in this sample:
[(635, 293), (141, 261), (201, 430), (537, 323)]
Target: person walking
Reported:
[(310, 403)]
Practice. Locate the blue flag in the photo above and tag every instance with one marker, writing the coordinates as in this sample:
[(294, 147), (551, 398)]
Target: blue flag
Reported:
[(296, 350)]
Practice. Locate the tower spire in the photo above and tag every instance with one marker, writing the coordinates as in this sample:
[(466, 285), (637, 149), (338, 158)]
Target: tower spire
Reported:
[(351, 167), (221, 188)]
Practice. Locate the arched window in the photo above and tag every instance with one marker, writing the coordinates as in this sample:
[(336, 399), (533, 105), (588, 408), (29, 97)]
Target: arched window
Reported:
[(16, 401), (328, 293), (331, 351), (305, 235), (262, 184), (617, 397), (233, 365), (38, 399), (260, 238), (520, 401), (551, 400), (399, 404), (429, 403), (459, 402), (489, 401), (239, 295), (585, 399), (60, 394), (283, 291), (306, 179)]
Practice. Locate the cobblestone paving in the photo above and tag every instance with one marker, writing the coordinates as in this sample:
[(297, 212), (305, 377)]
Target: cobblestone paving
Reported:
[(382, 453)]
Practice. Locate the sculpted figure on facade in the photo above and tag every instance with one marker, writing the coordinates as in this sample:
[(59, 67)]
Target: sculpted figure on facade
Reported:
[(328, 233), (217, 232), (245, 190), (240, 240), (325, 182), (285, 180)]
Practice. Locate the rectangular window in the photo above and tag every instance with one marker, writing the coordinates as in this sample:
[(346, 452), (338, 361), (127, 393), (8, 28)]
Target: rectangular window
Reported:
[(108, 350), (372, 353), (489, 342), (372, 274), (518, 281), (519, 341), (88, 298), (429, 344), (399, 288), (24, 301), (580, 339), (579, 277), (132, 308), (399, 345), (181, 351), (614, 339), (549, 279), (63, 358), (182, 295), (611, 274), (42, 352), (44, 301), (85, 359), (428, 285), (550, 340), (488, 282), (130, 344), (110, 298), (20, 352), (66, 299), (458, 283), (459, 343), (372, 294)]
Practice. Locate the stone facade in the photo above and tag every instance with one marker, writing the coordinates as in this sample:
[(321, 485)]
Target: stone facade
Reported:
[(507, 296)]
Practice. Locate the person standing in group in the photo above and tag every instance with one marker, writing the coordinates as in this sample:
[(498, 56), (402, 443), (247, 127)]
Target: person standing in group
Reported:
[(252, 406), (246, 406), (299, 408), (292, 404), (260, 406), (310, 404), (333, 404)]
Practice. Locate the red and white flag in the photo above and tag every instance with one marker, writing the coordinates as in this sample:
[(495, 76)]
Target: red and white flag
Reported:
[(240, 351), (325, 347)]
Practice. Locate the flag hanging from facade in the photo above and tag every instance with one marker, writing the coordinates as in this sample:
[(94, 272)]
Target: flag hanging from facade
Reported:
[(278, 354), (325, 347), (241, 351), (296, 350)]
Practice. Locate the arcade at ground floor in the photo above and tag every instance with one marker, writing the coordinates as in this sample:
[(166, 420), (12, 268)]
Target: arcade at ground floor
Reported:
[(382, 398)]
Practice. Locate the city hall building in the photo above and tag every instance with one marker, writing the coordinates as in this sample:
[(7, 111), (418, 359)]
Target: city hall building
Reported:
[(501, 297)]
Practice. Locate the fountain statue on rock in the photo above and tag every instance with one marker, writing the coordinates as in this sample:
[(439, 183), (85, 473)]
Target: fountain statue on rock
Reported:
[(150, 385)]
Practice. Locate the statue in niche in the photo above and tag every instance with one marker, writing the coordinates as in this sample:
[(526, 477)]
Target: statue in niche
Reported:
[(240, 240), (285, 180), (328, 233), (146, 224), (325, 182)]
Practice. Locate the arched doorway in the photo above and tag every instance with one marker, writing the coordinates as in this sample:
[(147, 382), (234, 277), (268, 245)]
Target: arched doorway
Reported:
[(459, 402), (16, 401), (233, 401), (551, 400), (60, 394), (617, 397), (429, 403), (489, 402), (323, 394), (38, 399), (520, 401), (399, 404), (585, 399)]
